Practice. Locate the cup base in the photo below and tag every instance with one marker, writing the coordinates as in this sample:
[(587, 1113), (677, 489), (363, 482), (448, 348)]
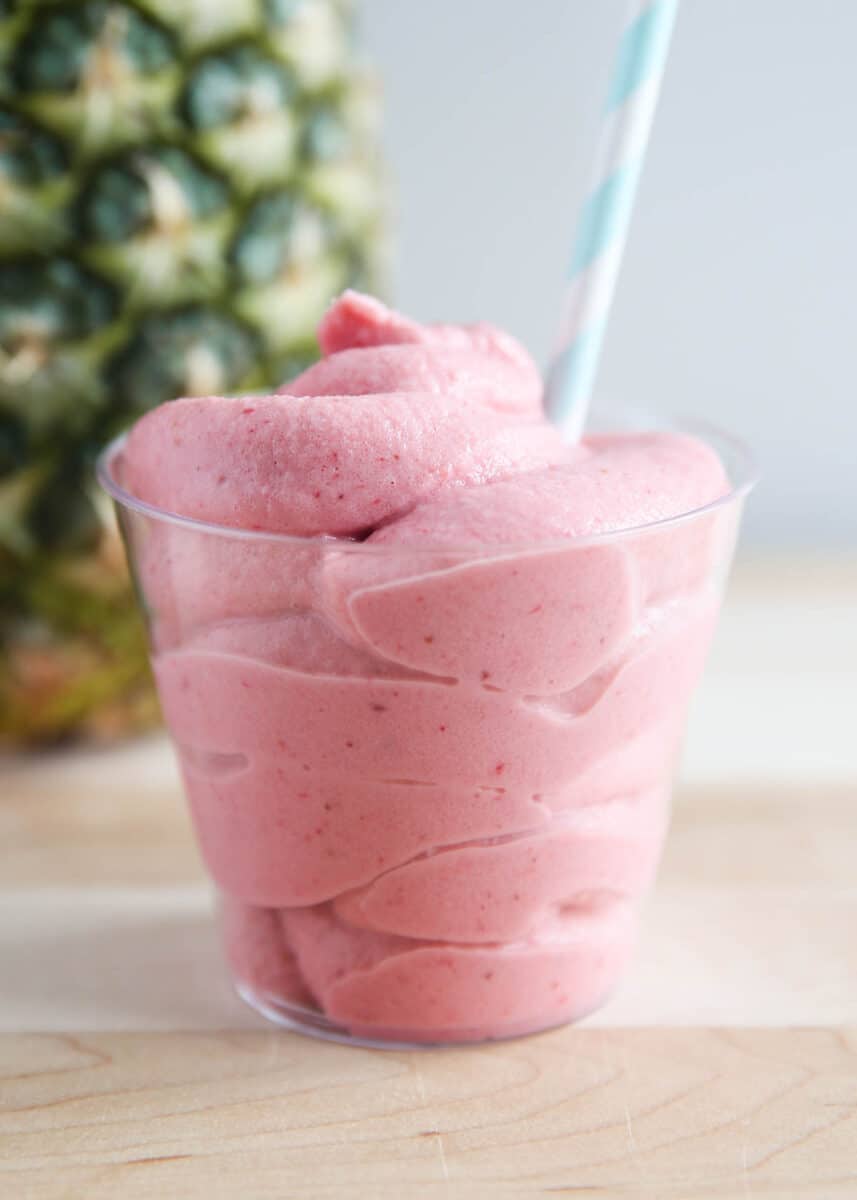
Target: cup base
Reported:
[(302, 1020)]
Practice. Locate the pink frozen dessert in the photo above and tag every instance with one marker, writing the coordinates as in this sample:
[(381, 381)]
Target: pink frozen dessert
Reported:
[(427, 679)]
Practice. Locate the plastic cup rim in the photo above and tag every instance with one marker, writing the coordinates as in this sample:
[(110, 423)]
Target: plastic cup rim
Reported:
[(744, 472)]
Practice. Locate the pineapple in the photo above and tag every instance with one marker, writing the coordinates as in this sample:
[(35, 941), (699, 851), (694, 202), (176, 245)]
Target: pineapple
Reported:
[(184, 184)]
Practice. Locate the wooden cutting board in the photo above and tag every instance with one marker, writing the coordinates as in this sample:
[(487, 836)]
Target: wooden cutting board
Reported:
[(725, 1067)]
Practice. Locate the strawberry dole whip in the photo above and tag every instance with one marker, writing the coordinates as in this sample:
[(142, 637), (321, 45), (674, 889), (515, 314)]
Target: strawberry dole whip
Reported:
[(426, 669)]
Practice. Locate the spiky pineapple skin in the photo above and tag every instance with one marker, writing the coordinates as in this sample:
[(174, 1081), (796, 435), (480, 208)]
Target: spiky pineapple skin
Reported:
[(184, 184)]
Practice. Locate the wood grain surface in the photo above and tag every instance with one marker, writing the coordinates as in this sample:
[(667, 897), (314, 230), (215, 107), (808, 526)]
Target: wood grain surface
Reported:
[(657, 1113), (726, 1066)]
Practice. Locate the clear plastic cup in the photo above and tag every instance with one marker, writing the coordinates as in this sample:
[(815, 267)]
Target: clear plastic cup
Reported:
[(431, 785)]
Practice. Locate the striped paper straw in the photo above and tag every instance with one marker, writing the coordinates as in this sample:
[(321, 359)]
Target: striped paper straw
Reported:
[(628, 114)]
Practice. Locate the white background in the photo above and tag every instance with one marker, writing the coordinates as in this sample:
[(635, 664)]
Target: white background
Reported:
[(737, 299)]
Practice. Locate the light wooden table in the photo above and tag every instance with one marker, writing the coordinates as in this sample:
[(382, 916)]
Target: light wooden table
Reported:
[(725, 1067)]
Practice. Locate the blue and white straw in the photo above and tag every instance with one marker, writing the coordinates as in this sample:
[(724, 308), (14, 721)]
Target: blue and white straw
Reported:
[(628, 115)]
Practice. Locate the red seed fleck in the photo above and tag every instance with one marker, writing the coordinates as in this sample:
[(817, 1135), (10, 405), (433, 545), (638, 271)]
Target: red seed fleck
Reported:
[(442, 728), (350, 745), (483, 675), (247, 411), (341, 496), (379, 708), (536, 609), (500, 768), (428, 639), (316, 493), (488, 975)]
